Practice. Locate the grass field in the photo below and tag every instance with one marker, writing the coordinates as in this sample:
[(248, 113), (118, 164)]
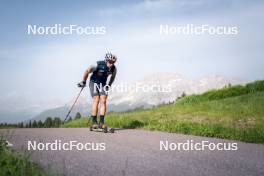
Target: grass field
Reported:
[(15, 164), (232, 113)]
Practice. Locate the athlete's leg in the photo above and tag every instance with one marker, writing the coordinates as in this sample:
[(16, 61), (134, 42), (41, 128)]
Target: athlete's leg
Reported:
[(95, 96), (95, 105), (102, 108), (95, 108)]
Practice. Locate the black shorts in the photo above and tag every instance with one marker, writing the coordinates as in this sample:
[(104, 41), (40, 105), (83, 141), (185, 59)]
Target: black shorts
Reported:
[(97, 89)]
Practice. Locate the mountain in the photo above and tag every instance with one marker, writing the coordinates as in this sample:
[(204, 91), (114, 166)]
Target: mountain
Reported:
[(173, 85), (16, 108), (163, 88), (81, 106), (15, 116)]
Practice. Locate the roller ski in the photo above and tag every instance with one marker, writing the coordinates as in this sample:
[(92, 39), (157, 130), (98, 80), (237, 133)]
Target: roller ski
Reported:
[(101, 128)]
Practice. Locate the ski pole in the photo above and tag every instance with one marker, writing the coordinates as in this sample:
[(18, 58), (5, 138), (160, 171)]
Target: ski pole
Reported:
[(73, 105)]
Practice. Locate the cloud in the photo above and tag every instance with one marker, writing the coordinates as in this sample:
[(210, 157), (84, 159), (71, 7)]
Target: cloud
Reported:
[(50, 70), (174, 8)]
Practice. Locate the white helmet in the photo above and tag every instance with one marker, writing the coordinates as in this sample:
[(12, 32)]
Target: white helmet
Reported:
[(110, 57)]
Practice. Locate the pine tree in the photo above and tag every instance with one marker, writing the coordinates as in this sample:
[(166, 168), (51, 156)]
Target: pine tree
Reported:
[(34, 124), (56, 122), (21, 125), (48, 122), (70, 119), (77, 116), (183, 94), (29, 125), (40, 124)]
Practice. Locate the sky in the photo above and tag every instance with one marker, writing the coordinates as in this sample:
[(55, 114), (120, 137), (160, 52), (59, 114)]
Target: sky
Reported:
[(46, 68)]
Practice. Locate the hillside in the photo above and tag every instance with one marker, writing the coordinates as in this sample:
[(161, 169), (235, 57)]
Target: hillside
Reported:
[(120, 101), (232, 112)]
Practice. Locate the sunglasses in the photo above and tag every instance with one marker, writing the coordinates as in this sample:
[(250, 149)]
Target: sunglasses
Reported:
[(110, 62)]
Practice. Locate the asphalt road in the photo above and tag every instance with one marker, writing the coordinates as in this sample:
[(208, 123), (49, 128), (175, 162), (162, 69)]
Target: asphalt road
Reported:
[(136, 152)]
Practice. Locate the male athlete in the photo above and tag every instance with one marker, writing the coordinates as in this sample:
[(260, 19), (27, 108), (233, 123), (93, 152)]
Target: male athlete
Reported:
[(99, 85)]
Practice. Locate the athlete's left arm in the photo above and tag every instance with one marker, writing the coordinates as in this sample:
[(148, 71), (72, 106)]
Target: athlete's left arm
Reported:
[(113, 75)]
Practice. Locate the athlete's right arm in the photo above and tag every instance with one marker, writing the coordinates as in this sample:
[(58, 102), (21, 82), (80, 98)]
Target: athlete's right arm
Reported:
[(88, 71)]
